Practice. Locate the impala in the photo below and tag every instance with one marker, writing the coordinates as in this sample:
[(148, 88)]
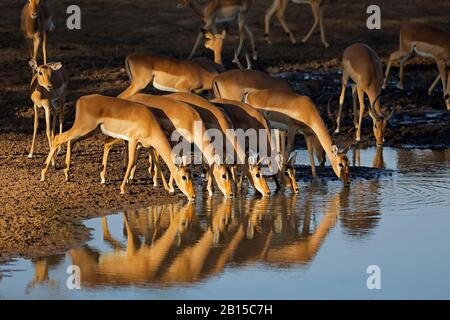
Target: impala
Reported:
[(167, 74), (174, 115), (237, 84), (364, 67), (127, 120), (215, 117), (295, 114), (247, 118), (426, 41), (36, 22), (48, 91), (279, 7), (220, 11)]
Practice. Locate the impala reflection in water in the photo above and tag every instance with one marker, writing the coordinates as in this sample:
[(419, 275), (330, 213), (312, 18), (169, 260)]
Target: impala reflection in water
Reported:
[(317, 244)]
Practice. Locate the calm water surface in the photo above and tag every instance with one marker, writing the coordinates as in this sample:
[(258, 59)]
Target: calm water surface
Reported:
[(314, 245)]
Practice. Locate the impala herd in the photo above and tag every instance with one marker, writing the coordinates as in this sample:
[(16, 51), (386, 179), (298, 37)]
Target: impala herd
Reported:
[(232, 101)]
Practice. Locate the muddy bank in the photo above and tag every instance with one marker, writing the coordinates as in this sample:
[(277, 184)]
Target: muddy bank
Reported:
[(39, 218)]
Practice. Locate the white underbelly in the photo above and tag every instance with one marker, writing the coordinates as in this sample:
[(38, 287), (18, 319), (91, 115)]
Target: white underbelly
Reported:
[(227, 14), (163, 88), (423, 53), (113, 134)]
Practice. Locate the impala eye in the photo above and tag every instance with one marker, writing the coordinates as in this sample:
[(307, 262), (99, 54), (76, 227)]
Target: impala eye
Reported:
[(258, 175), (341, 165), (286, 173), (184, 177), (224, 176)]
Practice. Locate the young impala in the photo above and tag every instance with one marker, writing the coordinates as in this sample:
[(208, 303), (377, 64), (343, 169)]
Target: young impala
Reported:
[(118, 118), (426, 41), (174, 115), (299, 114), (166, 74), (279, 7), (364, 67), (36, 22), (220, 11), (48, 91)]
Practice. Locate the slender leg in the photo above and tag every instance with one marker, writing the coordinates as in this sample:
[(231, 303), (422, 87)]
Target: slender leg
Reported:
[(402, 67), (309, 147), (109, 143), (132, 144), (251, 38), (68, 156), (442, 67), (355, 106), (433, 86), (322, 29), (35, 128), (210, 185), (30, 47), (315, 11), (241, 24), (36, 45), (397, 55), (133, 171), (269, 14), (361, 113), (281, 10), (341, 100)]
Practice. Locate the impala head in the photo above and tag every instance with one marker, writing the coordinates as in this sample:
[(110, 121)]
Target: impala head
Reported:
[(222, 175), (287, 172), (214, 42), (341, 164), (259, 181), (183, 178), (44, 73), (183, 3), (34, 7), (380, 122)]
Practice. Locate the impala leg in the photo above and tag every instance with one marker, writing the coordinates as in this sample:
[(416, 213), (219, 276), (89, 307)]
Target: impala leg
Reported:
[(109, 143), (269, 14), (35, 128), (132, 144), (68, 157), (397, 55), (36, 45), (309, 147), (316, 14), (48, 128), (30, 47), (133, 170), (433, 86), (281, 10), (355, 106), (442, 67), (361, 113), (251, 38), (402, 69), (241, 24), (210, 185), (61, 116), (322, 29), (341, 101)]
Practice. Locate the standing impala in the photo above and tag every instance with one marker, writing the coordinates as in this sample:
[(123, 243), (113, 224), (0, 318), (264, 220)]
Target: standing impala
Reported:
[(36, 22), (279, 7), (166, 74), (178, 116), (48, 91), (118, 118), (426, 41), (364, 67), (299, 114), (220, 11)]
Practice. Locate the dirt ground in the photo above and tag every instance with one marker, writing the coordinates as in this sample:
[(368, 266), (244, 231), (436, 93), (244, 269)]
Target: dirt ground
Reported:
[(38, 218)]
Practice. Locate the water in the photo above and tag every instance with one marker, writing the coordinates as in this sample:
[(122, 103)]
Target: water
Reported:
[(314, 245)]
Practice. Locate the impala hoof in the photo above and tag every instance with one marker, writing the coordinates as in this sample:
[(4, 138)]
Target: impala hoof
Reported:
[(30, 156), (67, 175), (400, 86), (43, 175), (326, 44), (336, 131)]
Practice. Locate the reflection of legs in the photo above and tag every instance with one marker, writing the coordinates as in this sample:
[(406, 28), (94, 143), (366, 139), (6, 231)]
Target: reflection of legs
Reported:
[(309, 146)]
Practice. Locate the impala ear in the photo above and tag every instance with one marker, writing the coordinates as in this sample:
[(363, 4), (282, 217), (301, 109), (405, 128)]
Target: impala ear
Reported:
[(334, 150), (178, 161), (33, 64), (251, 160), (55, 66), (186, 160), (217, 160), (292, 158), (224, 33), (207, 34)]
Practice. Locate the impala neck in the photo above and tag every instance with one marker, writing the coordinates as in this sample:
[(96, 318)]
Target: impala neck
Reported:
[(218, 56)]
